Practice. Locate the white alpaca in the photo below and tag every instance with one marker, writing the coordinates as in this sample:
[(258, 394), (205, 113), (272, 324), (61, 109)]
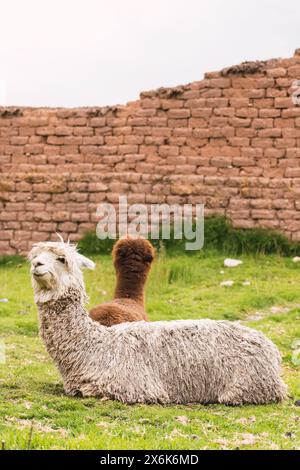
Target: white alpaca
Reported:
[(202, 361)]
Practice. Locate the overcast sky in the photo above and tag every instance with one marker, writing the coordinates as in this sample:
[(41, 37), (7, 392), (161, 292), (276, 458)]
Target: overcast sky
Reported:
[(99, 52)]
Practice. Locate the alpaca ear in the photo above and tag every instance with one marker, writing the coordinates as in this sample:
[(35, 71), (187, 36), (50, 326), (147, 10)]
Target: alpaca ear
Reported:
[(85, 262), (148, 258), (60, 237)]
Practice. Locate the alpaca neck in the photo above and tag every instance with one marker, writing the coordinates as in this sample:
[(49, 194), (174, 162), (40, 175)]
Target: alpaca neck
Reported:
[(131, 286), (66, 328)]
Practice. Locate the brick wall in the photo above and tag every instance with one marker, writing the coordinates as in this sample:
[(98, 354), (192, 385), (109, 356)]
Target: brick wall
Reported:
[(230, 141)]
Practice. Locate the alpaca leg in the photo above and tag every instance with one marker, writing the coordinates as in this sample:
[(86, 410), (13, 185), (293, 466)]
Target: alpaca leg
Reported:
[(88, 389), (230, 398), (260, 391)]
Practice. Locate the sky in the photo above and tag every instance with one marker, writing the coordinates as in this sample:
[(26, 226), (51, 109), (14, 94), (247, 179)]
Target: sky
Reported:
[(104, 52)]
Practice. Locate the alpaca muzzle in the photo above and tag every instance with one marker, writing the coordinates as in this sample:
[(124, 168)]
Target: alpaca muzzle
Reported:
[(39, 272), (36, 274)]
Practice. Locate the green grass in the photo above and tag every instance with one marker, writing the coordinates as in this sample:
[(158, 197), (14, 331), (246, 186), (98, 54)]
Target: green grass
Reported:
[(35, 413), (219, 235)]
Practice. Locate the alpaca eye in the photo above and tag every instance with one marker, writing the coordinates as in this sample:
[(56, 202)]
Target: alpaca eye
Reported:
[(61, 259)]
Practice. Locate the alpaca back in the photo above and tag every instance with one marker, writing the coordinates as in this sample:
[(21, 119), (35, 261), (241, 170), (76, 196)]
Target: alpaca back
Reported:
[(201, 361)]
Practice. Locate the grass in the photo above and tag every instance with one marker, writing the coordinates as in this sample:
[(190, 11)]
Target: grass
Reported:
[(219, 235), (35, 413)]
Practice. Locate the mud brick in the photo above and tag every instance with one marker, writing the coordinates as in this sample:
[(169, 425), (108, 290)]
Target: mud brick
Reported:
[(291, 112), (171, 104), (77, 121), (63, 130), (285, 142), (200, 122), (294, 71), (18, 140), (37, 121), (290, 132), (274, 153), (127, 149), (98, 122), (283, 102), (220, 82), (80, 217), (45, 131), (97, 187), (150, 103), (179, 113), (262, 143), (179, 122), (284, 122), (67, 227), (292, 172), (138, 121), (239, 102), (247, 112), (245, 132), (202, 112), (239, 141), (276, 93), (83, 131), (260, 123), (277, 72), (212, 93), (243, 82), (240, 122), (116, 122), (168, 150), (196, 103), (217, 102), (157, 121), (221, 161), (269, 113)]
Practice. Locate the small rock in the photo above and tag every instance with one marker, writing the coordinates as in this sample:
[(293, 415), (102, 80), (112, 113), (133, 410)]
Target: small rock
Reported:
[(296, 259), (297, 403), (248, 439), (102, 291), (175, 433), (4, 301), (103, 424), (182, 419), (275, 309), (246, 283), (245, 421), (232, 263), (227, 283), (222, 272)]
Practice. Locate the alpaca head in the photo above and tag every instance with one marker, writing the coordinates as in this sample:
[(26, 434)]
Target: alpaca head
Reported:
[(133, 255), (56, 266)]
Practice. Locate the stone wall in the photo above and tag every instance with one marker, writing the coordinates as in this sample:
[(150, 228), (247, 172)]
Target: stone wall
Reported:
[(230, 141)]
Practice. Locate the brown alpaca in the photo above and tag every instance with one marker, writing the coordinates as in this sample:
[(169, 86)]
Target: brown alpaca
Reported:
[(132, 261)]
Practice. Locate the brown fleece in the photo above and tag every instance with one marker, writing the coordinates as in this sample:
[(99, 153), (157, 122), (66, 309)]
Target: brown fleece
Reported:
[(132, 259)]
